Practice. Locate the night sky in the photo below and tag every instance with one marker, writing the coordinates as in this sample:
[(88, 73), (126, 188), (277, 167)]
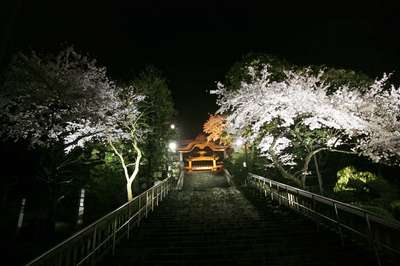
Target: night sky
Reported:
[(195, 42)]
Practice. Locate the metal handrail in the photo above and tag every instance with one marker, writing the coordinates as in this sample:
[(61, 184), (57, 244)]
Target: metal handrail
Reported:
[(392, 223), (95, 240), (382, 234)]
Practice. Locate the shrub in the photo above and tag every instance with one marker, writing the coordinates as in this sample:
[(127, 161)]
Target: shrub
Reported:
[(349, 179)]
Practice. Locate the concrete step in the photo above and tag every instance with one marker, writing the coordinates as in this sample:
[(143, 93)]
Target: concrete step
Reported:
[(224, 226)]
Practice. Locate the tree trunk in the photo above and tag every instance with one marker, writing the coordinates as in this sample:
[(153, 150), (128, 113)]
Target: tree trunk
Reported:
[(132, 177), (129, 178), (306, 164), (129, 191), (311, 154), (283, 172), (278, 165), (320, 182), (137, 164)]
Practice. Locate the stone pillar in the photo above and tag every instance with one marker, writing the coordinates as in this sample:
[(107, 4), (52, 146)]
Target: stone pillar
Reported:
[(180, 156), (21, 215), (81, 208)]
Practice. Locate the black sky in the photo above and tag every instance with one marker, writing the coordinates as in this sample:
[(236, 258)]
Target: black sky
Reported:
[(195, 42)]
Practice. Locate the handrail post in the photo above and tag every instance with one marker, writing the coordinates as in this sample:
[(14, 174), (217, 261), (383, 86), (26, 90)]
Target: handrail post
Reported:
[(167, 186), (279, 195), (129, 221), (313, 202), (287, 193), (147, 202), (338, 224), (140, 211), (162, 190), (371, 239), (271, 191), (298, 199), (94, 246), (265, 188), (152, 199), (74, 256), (114, 234), (157, 194), (58, 260)]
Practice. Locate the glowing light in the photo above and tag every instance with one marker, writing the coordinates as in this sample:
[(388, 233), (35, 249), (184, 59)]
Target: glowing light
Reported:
[(172, 126), (239, 142), (172, 146)]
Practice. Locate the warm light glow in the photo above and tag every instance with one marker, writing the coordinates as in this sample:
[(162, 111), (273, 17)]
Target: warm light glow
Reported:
[(172, 126), (172, 146)]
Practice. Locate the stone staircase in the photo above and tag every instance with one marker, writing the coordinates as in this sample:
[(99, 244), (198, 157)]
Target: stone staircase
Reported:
[(211, 223)]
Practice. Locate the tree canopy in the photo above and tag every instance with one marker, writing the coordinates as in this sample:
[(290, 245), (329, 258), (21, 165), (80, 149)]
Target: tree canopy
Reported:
[(64, 101), (301, 109)]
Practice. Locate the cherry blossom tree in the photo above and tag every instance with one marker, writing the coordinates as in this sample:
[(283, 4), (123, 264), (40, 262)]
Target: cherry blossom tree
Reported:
[(41, 95), (300, 110), (64, 101), (120, 126)]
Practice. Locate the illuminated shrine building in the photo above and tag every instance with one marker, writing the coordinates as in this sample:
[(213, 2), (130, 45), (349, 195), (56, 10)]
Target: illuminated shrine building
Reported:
[(200, 154)]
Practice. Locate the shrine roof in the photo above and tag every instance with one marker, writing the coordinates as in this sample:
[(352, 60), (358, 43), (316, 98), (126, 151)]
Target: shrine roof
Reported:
[(201, 142)]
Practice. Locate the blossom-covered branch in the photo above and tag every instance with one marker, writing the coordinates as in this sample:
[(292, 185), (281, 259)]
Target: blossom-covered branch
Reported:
[(270, 112)]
